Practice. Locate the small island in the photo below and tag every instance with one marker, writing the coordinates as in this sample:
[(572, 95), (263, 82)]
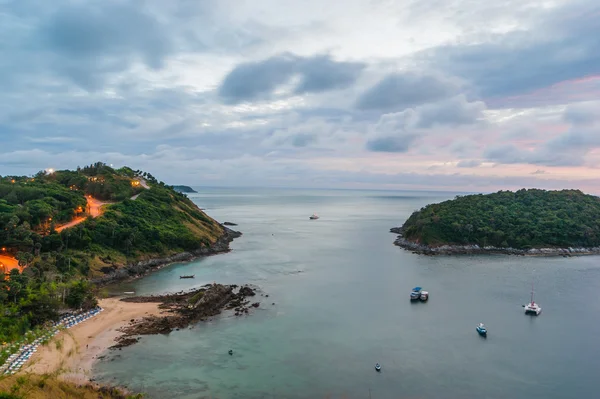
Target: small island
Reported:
[(525, 222), (184, 189)]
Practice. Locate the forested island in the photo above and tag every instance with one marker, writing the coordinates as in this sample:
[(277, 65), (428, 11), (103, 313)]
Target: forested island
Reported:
[(184, 189), (63, 232), (527, 222)]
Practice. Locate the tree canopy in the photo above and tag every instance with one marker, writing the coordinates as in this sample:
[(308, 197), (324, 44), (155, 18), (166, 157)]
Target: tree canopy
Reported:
[(523, 219), (158, 222)]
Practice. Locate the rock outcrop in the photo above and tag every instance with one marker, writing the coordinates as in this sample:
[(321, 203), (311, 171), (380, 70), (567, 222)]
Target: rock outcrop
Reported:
[(184, 309), (476, 249)]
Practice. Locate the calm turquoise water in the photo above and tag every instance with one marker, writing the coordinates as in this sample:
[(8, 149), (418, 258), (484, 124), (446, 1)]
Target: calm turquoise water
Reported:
[(341, 292)]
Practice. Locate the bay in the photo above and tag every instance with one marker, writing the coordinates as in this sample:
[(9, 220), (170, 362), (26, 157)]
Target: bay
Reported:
[(340, 289)]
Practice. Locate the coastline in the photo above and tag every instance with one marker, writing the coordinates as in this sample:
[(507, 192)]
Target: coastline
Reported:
[(73, 352), (475, 249), (144, 267)]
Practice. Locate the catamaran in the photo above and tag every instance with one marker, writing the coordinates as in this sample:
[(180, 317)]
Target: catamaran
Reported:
[(532, 308), (481, 330)]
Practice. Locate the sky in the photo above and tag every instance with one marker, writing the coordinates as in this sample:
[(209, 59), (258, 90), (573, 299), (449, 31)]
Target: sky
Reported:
[(453, 95)]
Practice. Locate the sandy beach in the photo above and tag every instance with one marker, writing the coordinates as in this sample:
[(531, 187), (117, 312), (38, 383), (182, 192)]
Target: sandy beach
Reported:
[(73, 352)]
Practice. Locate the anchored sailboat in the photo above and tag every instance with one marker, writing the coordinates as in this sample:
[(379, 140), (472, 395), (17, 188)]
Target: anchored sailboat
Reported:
[(532, 308)]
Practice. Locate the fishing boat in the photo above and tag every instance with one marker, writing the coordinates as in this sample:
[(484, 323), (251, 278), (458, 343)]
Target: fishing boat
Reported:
[(415, 295), (481, 330), (314, 216), (532, 308), (377, 367), (191, 276), (424, 297)]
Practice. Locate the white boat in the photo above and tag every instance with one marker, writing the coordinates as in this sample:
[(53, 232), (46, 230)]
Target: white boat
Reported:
[(532, 308), (424, 296), (314, 217)]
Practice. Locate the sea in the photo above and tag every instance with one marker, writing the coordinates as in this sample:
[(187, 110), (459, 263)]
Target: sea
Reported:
[(338, 303)]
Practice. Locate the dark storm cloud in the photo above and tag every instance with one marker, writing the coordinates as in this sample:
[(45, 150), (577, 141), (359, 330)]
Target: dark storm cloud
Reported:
[(258, 80), (563, 44), (404, 90)]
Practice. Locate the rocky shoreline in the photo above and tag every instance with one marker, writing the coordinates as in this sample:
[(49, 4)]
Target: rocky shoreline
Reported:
[(142, 268), (478, 250), (183, 309)]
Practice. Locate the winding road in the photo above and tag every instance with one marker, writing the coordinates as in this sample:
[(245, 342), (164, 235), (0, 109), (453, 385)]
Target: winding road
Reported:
[(95, 209)]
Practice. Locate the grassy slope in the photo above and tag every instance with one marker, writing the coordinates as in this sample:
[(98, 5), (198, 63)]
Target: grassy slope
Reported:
[(32, 386), (522, 219)]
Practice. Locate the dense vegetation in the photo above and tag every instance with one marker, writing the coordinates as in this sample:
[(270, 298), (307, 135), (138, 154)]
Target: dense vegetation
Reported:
[(523, 219), (56, 266)]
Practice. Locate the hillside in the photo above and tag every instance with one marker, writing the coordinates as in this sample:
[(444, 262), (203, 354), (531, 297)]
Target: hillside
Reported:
[(33, 386), (519, 220), (184, 189), (110, 220)]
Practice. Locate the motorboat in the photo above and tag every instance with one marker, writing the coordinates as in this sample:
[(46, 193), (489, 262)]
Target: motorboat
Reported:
[(377, 367), (532, 308), (314, 216), (191, 276), (481, 330), (415, 294), (424, 297)]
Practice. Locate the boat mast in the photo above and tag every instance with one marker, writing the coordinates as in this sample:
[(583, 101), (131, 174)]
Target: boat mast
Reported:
[(532, 293)]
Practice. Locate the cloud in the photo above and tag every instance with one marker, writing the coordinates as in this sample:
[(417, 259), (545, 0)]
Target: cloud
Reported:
[(258, 80), (472, 163), (582, 114), (87, 42), (396, 132), (567, 149), (558, 44), (268, 93), (463, 147), (454, 112), (393, 132), (399, 91), (400, 143), (321, 73)]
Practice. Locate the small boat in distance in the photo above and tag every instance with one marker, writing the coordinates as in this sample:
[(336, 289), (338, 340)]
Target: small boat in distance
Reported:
[(314, 216), (424, 296), (415, 295), (191, 276), (377, 367), (481, 330), (532, 308)]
